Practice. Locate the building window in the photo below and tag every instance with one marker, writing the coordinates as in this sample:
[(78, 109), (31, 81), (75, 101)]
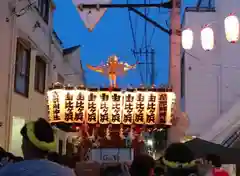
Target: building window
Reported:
[(43, 8), (60, 79), (40, 75), (22, 69)]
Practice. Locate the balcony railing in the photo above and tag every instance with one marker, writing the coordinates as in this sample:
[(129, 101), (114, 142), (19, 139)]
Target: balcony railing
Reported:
[(230, 141), (206, 4)]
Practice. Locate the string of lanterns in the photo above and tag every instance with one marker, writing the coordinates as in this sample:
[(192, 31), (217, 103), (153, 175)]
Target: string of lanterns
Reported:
[(231, 26)]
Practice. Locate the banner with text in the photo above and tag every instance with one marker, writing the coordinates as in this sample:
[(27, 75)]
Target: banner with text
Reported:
[(110, 155)]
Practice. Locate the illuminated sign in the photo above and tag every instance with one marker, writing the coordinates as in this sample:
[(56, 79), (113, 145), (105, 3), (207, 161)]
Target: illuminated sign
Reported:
[(109, 155), (136, 106)]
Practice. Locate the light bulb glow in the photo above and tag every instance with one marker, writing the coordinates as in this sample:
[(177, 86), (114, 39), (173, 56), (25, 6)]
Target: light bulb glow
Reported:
[(150, 142), (187, 39), (231, 25), (207, 38)]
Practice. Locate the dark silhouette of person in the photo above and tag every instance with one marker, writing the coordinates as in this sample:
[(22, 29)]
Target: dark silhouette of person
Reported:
[(38, 139), (142, 165), (7, 158), (179, 160)]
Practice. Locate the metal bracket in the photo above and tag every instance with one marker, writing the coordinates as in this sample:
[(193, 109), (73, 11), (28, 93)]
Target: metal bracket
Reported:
[(167, 5)]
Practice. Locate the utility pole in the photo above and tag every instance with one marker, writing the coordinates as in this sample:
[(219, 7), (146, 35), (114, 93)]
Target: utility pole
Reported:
[(149, 71), (153, 66), (177, 131), (175, 52)]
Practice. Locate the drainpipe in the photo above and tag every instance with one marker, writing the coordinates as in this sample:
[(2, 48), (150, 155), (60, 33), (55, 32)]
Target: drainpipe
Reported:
[(8, 116), (220, 89), (50, 28)]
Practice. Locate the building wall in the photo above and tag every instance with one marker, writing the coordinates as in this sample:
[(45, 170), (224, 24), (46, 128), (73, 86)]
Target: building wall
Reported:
[(57, 64), (229, 57), (211, 78), (13, 104), (68, 66), (6, 57), (75, 74), (16, 109)]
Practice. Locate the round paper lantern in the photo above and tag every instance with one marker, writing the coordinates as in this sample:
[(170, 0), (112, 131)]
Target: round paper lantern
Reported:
[(231, 25), (187, 39), (207, 38)]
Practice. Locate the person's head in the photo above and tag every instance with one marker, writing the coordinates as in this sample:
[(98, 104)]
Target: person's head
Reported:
[(142, 165), (38, 139), (214, 160), (179, 160)]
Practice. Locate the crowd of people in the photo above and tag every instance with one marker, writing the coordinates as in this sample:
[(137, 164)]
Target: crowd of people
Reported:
[(39, 158)]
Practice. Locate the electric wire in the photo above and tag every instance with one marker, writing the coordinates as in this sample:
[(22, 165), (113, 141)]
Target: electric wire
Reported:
[(154, 28), (146, 11), (134, 42), (145, 71)]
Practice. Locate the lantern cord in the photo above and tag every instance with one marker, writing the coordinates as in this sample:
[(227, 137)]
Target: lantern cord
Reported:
[(198, 59)]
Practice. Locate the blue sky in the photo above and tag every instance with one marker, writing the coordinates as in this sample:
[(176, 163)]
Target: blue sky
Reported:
[(112, 35)]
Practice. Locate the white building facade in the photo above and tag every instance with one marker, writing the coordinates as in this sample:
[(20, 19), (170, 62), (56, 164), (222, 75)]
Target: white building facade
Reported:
[(66, 66), (210, 79), (27, 65)]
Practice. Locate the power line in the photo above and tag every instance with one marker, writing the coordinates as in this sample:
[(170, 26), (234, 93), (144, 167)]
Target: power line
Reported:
[(146, 72), (134, 41), (154, 28), (145, 41), (150, 78)]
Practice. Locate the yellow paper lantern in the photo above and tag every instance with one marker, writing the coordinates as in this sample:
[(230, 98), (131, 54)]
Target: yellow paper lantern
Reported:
[(117, 107), (187, 39), (207, 38), (231, 25)]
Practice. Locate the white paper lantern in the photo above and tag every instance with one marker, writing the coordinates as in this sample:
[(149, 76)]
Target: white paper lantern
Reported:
[(231, 25), (207, 38), (187, 39)]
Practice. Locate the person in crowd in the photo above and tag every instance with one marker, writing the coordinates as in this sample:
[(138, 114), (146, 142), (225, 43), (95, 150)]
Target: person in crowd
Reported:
[(159, 171), (142, 165), (179, 161), (215, 162), (36, 168), (7, 158), (116, 170), (38, 141)]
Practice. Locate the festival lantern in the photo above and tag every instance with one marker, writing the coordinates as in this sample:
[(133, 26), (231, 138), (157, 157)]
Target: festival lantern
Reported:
[(207, 38), (130, 111), (231, 25), (187, 39)]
